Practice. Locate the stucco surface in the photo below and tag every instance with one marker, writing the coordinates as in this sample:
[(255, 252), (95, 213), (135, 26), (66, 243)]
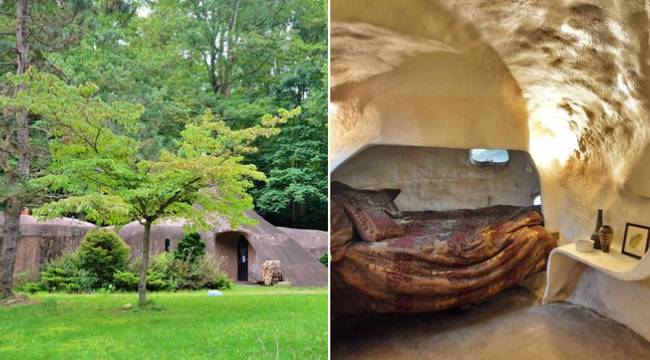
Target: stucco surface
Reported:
[(265, 242), (42, 241), (568, 82), (313, 241), (441, 179)]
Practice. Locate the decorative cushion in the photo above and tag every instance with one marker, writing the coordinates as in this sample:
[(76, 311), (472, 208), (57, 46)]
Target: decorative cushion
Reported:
[(340, 190), (371, 212), (341, 229)]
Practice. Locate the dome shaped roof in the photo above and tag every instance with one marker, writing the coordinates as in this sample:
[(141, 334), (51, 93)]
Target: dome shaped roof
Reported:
[(62, 221), (132, 230), (65, 221), (24, 219)]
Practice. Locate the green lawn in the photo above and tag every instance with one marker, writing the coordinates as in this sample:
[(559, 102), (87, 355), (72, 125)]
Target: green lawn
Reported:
[(248, 322)]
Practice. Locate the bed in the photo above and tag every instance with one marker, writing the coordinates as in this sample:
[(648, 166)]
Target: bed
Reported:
[(388, 261)]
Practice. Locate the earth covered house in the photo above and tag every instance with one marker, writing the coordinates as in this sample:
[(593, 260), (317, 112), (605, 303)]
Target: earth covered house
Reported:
[(243, 251)]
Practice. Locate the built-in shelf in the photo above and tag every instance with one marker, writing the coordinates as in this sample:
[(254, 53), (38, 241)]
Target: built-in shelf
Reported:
[(565, 265)]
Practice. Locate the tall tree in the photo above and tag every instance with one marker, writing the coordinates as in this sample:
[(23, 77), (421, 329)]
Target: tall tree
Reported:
[(165, 61), (97, 164), (41, 27), (14, 157), (295, 194), (232, 37)]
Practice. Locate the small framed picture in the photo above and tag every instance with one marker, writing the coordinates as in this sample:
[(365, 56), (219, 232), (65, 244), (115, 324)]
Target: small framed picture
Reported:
[(636, 240)]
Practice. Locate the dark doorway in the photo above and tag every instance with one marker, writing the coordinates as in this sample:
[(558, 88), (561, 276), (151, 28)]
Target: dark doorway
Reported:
[(167, 245), (242, 259)]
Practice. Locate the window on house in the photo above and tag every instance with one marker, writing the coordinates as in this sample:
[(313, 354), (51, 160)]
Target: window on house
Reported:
[(489, 156), (167, 245)]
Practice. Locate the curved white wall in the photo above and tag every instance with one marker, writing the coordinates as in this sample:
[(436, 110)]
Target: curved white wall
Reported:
[(441, 179), (451, 91)]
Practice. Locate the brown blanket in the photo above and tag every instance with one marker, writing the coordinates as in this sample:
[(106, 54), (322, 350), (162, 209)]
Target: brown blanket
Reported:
[(446, 259)]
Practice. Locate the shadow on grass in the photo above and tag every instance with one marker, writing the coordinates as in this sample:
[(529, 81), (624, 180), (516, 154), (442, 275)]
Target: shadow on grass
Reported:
[(150, 306), (17, 300)]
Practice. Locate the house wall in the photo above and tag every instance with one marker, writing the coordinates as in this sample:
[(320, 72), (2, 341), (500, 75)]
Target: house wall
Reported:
[(133, 238), (41, 243), (33, 252), (441, 179)]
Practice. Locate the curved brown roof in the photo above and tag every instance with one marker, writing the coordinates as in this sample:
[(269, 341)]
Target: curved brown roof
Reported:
[(314, 241), (298, 265), (269, 242), (24, 219), (168, 228), (31, 226)]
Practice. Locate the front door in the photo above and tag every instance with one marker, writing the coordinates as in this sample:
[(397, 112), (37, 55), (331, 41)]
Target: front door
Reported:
[(242, 259)]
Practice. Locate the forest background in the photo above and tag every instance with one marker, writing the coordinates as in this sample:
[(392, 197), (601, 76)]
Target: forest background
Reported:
[(240, 58)]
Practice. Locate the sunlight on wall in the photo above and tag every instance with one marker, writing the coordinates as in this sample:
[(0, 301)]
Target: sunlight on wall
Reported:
[(551, 139), (332, 109), (582, 36)]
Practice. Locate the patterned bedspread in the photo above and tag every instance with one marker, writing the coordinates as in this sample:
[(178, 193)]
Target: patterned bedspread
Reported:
[(445, 260)]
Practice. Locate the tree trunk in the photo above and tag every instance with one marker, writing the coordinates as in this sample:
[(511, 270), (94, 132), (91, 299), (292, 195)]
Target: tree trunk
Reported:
[(142, 286), (11, 235), (14, 201), (231, 56)]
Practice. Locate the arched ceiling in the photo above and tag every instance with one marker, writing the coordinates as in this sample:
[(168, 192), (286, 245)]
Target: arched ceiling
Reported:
[(565, 80), (417, 76), (581, 66)]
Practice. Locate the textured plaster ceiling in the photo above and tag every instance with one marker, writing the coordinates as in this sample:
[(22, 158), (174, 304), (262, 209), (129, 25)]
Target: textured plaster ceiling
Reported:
[(579, 68)]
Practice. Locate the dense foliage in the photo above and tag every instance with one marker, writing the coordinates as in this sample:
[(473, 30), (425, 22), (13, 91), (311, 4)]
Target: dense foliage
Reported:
[(241, 59), (92, 266), (141, 110), (168, 273), (87, 270), (102, 253), (97, 167), (95, 159), (190, 248), (65, 274)]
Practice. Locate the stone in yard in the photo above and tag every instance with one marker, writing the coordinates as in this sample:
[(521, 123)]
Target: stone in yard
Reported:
[(214, 293), (284, 283), (127, 307), (272, 272)]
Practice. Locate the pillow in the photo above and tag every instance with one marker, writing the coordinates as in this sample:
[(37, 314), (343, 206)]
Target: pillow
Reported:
[(341, 229), (340, 189), (371, 212)]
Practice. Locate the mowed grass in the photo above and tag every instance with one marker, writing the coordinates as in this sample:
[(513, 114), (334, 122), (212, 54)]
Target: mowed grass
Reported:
[(248, 322)]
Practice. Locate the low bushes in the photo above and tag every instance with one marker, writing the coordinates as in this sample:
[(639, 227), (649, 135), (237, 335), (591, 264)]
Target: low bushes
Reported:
[(167, 272), (101, 262), (66, 274), (125, 280), (91, 267)]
